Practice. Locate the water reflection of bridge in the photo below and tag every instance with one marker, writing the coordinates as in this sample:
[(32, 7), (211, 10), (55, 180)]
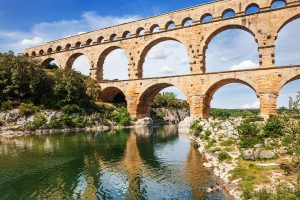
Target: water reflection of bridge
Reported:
[(128, 158)]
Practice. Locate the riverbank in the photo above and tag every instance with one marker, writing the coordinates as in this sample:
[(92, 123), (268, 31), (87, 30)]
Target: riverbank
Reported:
[(264, 167), (33, 120)]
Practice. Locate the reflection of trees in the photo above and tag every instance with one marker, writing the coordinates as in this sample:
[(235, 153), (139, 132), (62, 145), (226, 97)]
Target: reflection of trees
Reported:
[(146, 145), (70, 166)]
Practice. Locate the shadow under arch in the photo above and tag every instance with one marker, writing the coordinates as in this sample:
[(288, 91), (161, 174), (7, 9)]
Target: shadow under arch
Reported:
[(219, 84), (149, 46), (101, 60), (146, 98), (113, 95), (221, 29)]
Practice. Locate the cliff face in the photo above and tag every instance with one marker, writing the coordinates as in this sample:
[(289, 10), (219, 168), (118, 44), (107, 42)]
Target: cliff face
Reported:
[(168, 115)]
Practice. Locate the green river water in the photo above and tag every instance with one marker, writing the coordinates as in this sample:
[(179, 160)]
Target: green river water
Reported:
[(146, 163)]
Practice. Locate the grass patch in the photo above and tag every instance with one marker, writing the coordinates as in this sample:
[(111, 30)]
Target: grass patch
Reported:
[(251, 174)]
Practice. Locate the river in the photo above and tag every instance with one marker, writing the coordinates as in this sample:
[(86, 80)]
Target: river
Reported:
[(144, 163)]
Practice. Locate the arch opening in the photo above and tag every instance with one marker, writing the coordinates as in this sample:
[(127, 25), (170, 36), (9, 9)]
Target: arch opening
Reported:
[(113, 95), (100, 40), (170, 25), (58, 48), (88, 42), (33, 53), (140, 31), (252, 8), (234, 46), (158, 96), (278, 4), (68, 46), (80, 63), (41, 52), (287, 49), (187, 22), (164, 57), (126, 35), (50, 63), (240, 96), (49, 50), (155, 28), (113, 64), (289, 90), (206, 18), (113, 38), (229, 13), (78, 45)]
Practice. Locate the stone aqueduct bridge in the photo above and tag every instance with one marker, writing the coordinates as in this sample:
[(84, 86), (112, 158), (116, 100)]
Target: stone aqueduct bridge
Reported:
[(138, 37)]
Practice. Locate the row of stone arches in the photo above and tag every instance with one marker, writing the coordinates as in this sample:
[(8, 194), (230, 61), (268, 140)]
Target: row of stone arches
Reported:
[(144, 54), (252, 8), (148, 93)]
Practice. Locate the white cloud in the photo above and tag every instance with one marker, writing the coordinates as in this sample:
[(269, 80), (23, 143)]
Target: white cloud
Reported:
[(255, 104), (47, 31), (246, 64), (32, 42), (166, 70)]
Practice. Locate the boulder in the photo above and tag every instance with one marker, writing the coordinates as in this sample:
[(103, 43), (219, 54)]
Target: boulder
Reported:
[(187, 123), (248, 154), (144, 122), (266, 154)]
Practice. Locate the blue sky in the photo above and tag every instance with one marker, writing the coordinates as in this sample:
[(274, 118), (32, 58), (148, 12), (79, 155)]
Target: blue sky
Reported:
[(34, 22)]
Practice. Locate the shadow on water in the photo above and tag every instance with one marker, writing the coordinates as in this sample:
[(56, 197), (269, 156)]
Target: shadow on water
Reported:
[(140, 163)]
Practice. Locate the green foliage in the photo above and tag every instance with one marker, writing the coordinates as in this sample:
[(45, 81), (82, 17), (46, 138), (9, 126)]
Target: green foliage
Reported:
[(206, 135), (227, 143), (39, 121), (294, 105), (249, 134), (56, 123), (24, 80), (118, 116), (26, 109), (169, 100), (69, 121), (222, 156), (196, 128), (282, 193), (71, 109), (226, 113), (274, 127)]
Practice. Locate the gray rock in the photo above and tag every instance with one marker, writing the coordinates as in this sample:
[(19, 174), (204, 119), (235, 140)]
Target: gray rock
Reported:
[(266, 154), (248, 154), (187, 123), (144, 122)]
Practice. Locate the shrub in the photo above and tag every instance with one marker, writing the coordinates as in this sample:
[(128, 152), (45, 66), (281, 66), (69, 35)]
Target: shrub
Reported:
[(274, 127), (81, 122), (7, 105), (249, 134), (71, 109), (222, 156), (56, 123), (119, 116), (26, 109), (39, 121), (254, 118), (197, 128), (206, 135)]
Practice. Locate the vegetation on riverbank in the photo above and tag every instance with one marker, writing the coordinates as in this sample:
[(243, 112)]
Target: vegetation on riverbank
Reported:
[(260, 158), (36, 90)]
